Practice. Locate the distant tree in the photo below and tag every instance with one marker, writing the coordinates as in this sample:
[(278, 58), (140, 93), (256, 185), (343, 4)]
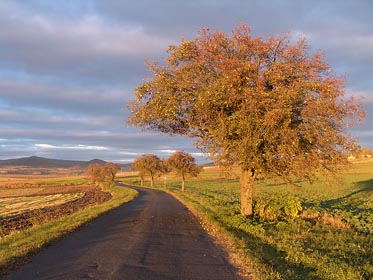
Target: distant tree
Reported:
[(362, 152), (264, 104), (183, 164), (95, 173), (140, 172), (110, 171), (102, 175), (148, 164)]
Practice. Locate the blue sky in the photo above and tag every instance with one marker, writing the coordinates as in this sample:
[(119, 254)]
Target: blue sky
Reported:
[(68, 68)]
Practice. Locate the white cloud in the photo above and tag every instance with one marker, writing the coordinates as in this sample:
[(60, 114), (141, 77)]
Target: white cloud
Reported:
[(167, 151), (198, 154), (72, 147), (128, 160), (127, 153), (170, 151)]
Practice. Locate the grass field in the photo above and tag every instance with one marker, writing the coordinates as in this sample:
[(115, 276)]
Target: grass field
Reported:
[(331, 238), (15, 248)]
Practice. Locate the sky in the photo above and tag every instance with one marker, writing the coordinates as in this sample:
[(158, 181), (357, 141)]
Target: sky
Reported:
[(68, 68)]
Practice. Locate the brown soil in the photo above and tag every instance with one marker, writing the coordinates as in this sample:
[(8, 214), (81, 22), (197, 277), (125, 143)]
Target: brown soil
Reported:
[(28, 219)]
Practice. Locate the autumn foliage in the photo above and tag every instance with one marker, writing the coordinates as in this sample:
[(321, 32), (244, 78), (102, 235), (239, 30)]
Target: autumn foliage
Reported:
[(148, 164), (183, 164), (102, 175), (266, 104)]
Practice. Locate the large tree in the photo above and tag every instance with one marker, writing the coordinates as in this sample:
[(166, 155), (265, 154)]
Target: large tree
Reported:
[(148, 164), (183, 164), (265, 104)]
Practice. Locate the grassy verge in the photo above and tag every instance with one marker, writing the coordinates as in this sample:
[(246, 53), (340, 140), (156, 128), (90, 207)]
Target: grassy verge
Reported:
[(15, 249), (330, 239)]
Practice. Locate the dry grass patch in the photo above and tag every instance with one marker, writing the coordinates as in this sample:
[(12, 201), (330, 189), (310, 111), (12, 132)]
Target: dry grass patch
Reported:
[(16, 205), (325, 219), (17, 192), (334, 222)]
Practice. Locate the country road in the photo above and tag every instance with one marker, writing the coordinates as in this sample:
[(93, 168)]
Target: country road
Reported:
[(153, 237)]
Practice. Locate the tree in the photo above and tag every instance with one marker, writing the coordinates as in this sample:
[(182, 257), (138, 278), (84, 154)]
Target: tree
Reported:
[(110, 171), (94, 173), (148, 164), (183, 164), (101, 175), (264, 104), (362, 152)]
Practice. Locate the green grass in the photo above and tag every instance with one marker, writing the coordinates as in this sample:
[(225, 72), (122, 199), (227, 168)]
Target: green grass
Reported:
[(338, 244), (64, 181), (14, 248)]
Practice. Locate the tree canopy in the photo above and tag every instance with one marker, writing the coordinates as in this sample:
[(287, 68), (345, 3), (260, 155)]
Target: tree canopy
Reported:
[(183, 164), (148, 164), (265, 104), (101, 175)]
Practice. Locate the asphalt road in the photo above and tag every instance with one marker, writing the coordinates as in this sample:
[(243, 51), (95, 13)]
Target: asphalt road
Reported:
[(153, 237)]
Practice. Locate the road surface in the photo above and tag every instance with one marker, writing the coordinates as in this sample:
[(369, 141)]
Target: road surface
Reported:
[(153, 237)]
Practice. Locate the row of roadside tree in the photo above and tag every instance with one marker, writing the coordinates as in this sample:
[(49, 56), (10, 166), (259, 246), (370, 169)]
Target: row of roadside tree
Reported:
[(182, 163)]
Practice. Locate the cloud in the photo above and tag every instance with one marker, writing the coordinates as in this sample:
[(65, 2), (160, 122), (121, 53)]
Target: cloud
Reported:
[(171, 151), (75, 147), (86, 47), (109, 146), (127, 153), (69, 67), (167, 151), (21, 96)]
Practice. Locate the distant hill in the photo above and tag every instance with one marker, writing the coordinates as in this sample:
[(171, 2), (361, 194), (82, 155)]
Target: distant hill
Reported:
[(40, 162)]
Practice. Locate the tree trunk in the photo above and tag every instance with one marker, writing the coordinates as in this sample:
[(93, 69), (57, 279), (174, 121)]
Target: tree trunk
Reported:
[(112, 177), (247, 185), (152, 181), (142, 181), (183, 183)]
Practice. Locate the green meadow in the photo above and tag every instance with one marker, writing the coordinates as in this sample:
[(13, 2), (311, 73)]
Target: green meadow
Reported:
[(322, 230)]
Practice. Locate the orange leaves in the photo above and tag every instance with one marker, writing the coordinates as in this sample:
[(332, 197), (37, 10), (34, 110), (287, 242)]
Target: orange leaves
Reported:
[(99, 174), (183, 163), (233, 92), (147, 164), (274, 117)]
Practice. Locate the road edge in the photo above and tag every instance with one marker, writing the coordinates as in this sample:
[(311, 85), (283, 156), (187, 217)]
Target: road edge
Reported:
[(218, 235)]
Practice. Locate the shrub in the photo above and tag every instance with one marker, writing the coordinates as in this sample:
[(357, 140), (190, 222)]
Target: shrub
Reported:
[(267, 208), (275, 208), (292, 207)]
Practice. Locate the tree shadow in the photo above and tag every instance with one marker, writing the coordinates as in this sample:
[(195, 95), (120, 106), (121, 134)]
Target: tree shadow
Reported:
[(363, 187), (271, 256)]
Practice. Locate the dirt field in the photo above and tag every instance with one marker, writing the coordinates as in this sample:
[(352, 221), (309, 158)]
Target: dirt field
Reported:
[(15, 205), (28, 218), (24, 201)]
